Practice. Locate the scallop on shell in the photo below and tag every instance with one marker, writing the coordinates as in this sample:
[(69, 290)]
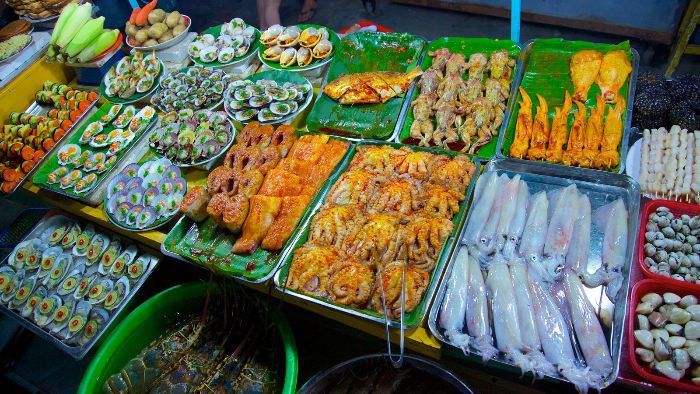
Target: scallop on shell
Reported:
[(288, 58)]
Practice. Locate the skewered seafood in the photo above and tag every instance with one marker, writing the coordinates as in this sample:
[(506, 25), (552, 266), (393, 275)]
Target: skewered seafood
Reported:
[(370, 87), (584, 70), (454, 114), (390, 210)]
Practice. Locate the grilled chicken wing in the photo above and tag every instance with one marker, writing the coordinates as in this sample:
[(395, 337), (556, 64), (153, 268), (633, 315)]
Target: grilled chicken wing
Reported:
[(540, 131), (593, 134), (609, 157), (560, 131), (371, 87), (613, 74), (584, 68), (523, 127), (574, 148)]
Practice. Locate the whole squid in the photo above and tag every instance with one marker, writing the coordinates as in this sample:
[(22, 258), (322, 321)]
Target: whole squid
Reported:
[(486, 243), (508, 210), (532, 242), (454, 306), (505, 314), (588, 330), (577, 256), (478, 325), (612, 218), (515, 230), (559, 232), (554, 334), (484, 194)]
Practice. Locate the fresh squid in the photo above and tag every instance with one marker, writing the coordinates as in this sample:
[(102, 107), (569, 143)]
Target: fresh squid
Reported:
[(508, 210), (526, 319), (484, 195), (505, 314), (454, 306), (518, 224), (478, 325), (554, 334), (535, 231), (577, 257), (486, 243), (612, 218), (559, 232), (588, 330)]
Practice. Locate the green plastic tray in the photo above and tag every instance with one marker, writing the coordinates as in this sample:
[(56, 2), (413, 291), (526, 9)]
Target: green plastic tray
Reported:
[(216, 32), (157, 316), (205, 245), (52, 163), (332, 37), (468, 46), (546, 71), (413, 319), (364, 52)]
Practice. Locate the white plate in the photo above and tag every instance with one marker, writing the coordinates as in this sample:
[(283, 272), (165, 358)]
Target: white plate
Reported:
[(633, 159)]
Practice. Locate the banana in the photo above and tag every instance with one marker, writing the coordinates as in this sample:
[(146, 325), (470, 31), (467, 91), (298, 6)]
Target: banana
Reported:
[(80, 16), (85, 36), (100, 44), (65, 16)]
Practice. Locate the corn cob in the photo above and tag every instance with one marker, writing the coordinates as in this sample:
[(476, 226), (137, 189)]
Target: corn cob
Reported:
[(100, 44), (79, 17), (87, 33), (65, 16)]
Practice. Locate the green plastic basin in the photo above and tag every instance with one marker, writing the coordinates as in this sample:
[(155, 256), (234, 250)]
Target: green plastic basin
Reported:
[(157, 316)]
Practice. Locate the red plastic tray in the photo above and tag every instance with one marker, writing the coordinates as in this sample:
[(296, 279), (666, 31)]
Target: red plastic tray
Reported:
[(365, 23), (640, 289), (677, 208)]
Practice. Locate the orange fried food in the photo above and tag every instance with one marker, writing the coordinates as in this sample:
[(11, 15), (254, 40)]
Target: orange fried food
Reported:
[(249, 182), (613, 73), (396, 195), (263, 211), (350, 282), (540, 131), (290, 213), (220, 179), (375, 240), (333, 225), (574, 148), (421, 240), (439, 201), (302, 168), (523, 127), (594, 133), (369, 87), (194, 204), (283, 138), (584, 68), (454, 174), (333, 152), (259, 135), (216, 206), (307, 150), (280, 183), (609, 157), (235, 213), (560, 131), (310, 268), (391, 281), (241, 158), (353, 187), (415, 164), (267, 159), (377, 158)]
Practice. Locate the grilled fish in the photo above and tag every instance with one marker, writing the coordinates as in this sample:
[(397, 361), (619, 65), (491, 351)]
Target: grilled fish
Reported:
[(370, 87)]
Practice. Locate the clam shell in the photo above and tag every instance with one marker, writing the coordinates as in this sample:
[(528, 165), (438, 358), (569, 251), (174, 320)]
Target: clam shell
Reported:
[(173, 172), (58, 272), (34, 299), (97, 319), (323, 49), (273, 53), (135, 195), (98, 245), (61, 316), (118, 293), (78, 320), (288, 58), (146, 217), (99, 290), (266, 115), (259, 101), (23, 292), (9, 288), (133, 214), (269, 36), (226, 55), (280, 108), (131, 170), (82, 243), (48, 260), (304, 57), (166, 186), (117, 184), (136, 269), (126, 257), (43, 313), (150, 195), (150, 181), (109, 256), (70, 282), (85, 282)]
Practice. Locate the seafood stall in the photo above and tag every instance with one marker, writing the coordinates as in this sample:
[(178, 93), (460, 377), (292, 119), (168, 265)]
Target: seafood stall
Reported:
[(206, 214)]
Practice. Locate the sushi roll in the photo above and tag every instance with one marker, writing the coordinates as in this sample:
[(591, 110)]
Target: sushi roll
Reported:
[(194, 204)]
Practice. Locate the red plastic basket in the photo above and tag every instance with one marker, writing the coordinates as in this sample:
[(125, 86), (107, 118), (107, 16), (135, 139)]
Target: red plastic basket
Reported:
[(677, 208), (642, 288)]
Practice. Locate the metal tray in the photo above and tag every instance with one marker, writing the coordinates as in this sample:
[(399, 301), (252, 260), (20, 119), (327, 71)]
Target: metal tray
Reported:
[(602, 188), (517, 76), (422, 308), (38, 109), (525, 58), (94, 196), (78, 352), (280, 257)]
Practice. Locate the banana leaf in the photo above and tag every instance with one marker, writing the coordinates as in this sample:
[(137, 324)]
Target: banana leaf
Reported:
[(363, 52), (466, 46), (546, 72)]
